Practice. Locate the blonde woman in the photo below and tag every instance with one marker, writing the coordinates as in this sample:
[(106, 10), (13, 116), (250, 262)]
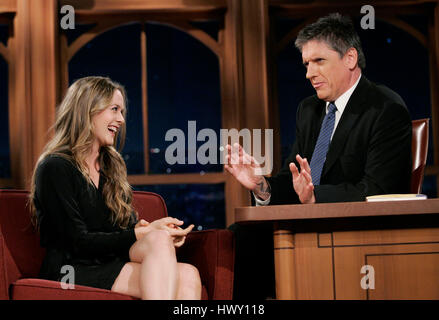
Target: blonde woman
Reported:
[(81, 203)]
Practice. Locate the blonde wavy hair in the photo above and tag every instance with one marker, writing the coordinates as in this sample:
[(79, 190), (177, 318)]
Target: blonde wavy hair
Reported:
[(73, 139)]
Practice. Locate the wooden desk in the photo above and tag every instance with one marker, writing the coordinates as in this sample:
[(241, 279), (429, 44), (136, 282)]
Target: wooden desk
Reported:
[(320, 249)]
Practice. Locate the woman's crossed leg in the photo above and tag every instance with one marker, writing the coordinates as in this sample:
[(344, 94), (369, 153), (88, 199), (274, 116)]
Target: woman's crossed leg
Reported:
[(154, 272)]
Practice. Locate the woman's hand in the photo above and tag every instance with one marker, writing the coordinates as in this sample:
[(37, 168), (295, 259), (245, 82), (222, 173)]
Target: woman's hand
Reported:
[(141, 223), (179, 240), (169, 224)]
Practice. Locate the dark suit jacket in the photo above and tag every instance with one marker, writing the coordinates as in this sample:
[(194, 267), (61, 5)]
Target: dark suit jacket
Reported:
[(370, 152)]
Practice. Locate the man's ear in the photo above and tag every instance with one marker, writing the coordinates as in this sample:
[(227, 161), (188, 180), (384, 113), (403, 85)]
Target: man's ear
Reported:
[(351, 58)]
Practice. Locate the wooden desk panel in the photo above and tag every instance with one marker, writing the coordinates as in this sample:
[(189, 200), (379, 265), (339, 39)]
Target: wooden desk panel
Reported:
[(405, 276), (315, 264), (335, 210), (388, 272), (377, 237)]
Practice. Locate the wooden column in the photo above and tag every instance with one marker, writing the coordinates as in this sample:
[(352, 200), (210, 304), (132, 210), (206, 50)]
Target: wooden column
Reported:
[(284, 261), (232, 97), (257, 71), (245, 80), (34, 84), (44, 70), (255, 30), (19, 98)]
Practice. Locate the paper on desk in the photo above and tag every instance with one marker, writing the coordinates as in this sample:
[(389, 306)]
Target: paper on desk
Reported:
[(396, 197)]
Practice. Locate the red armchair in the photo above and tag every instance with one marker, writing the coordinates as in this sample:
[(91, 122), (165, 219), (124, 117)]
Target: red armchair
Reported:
[(211, 251)]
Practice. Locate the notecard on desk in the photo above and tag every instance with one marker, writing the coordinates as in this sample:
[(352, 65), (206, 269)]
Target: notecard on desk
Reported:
[(396, 197)]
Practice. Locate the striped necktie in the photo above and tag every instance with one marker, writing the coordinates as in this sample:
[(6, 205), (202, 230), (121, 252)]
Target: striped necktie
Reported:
[(322, 145)]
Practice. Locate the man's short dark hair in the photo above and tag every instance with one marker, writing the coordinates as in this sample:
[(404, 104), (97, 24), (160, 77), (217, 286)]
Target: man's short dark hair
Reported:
[(337, 31)]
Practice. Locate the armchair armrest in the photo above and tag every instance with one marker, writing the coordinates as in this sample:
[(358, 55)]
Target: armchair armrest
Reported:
[(9, 272), (213, 253)]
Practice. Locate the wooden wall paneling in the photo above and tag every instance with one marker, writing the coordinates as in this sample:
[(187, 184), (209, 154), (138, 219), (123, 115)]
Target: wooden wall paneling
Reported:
[(395, 255), (8, 6), (348, 262), (34, 84), (44, 71), (392, 264), (257, 95), (255, 33), (20, 134), (408, 276), (107, 6), (307, 264), (313, 267), (230, 62), (144, 72), (299, 9), (142, 179), (378, 237), (284, 262)]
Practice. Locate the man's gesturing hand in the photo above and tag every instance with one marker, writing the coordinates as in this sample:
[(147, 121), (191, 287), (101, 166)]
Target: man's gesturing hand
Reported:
[(302, 180), (244, 168)]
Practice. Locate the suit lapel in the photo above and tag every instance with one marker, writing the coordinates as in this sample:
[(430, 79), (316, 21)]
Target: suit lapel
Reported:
[(356, 106)]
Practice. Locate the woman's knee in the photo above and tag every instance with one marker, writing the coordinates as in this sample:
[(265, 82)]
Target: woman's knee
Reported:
[(153, 241), (158, 237)]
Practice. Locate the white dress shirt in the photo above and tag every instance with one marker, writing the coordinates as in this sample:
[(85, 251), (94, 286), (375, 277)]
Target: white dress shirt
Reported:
[(340, 103)]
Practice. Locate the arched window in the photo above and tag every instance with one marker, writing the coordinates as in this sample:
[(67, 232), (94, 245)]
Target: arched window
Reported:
[(173, 82), (116, 54)]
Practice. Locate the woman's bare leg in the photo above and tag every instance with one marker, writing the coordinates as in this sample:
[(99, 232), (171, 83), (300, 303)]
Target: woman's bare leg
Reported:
[(189, 284), (157, 270), (128, 280)]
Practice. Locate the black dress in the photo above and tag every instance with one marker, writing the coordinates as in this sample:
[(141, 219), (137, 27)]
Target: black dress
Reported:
[(75, 226)]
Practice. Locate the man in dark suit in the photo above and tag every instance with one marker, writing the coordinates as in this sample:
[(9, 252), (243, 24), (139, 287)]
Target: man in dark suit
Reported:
[(356, 134)]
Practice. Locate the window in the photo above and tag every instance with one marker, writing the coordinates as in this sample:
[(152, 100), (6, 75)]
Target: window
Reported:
[(116, 54), (182, 79), (183, 86), (198, 204)]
